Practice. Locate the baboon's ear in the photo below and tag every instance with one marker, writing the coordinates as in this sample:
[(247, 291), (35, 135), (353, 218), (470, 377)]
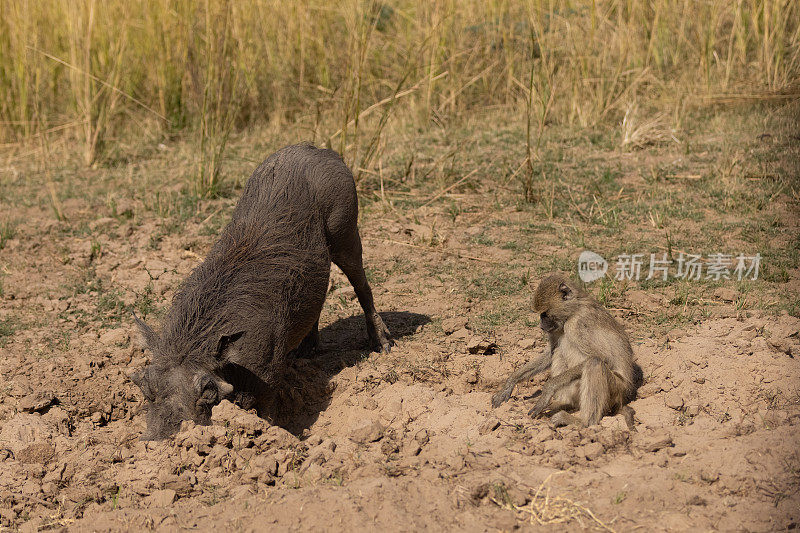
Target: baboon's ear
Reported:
[(150, 338), (566, 291), (226, 347), (142, 380)]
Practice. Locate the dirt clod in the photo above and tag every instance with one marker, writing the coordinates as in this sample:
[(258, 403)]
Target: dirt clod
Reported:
[(480, 345), (653, 443), (490, 425), (39, 452), (592, 451), (369, 431), (161, 498), (451, 325), (36, 401), (674, 400), (725, 294)]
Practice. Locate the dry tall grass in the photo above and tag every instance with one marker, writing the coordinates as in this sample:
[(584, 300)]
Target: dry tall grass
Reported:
[(94, 68)]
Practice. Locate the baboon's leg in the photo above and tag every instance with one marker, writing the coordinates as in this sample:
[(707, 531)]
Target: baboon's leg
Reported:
[(554, 385), (627, 412), (527, 371), (595, 394), (347, 256)]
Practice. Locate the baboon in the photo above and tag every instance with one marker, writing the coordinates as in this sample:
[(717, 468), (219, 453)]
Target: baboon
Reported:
[(589, 357)]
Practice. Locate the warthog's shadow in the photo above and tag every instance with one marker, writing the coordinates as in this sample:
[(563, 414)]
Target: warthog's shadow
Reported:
[(305, 391)]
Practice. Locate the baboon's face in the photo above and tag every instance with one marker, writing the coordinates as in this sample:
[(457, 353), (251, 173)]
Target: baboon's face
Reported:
[(546, 323), (555, 300)]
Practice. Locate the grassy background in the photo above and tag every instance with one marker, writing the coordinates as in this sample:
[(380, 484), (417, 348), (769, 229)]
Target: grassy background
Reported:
[(347, 75)]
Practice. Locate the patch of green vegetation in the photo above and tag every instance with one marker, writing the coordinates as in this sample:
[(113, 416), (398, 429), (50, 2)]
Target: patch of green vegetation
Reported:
[(109, 308), (8, 228), (145, 302), (494, 284), (488, 321), (8, 326), (482, 239)]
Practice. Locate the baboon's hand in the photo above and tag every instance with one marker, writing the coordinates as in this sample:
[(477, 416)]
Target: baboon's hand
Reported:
[(500, 397), (541, 405), (537, 409)]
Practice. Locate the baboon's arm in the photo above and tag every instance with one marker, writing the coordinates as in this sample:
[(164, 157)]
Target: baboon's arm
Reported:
[(553, 385), (527, 371)]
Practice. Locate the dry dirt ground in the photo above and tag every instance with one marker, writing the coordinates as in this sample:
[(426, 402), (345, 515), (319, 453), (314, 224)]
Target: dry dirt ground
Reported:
[(408, 441)]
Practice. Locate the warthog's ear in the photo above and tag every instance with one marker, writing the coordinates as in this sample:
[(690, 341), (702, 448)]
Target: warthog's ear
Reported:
[(226, 347), (142, 380), (211, 389), (151, 340)]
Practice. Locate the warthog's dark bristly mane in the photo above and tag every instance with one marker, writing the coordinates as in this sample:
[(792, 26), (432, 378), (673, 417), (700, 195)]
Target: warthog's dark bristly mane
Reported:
[(273, 244)]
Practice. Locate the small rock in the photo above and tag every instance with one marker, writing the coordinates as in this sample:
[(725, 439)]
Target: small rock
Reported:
[(161, 498), (656, 442), (783, 345), (451, 325), (709, 476), (725, 294), (266, 464), (648, 389), (488, 426), (369, 431), (462, 333), (527, 344), (347, 292), (38, 452), (181, 485), (674, 400), (479, 345), (115, 337), (592, 451), (36, 401)]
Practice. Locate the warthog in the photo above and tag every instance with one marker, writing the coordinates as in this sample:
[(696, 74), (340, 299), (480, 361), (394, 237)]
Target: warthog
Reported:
[(255, 301)]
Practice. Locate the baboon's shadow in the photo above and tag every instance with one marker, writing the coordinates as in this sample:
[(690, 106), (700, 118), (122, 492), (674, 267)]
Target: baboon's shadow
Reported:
[(342, 344)]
